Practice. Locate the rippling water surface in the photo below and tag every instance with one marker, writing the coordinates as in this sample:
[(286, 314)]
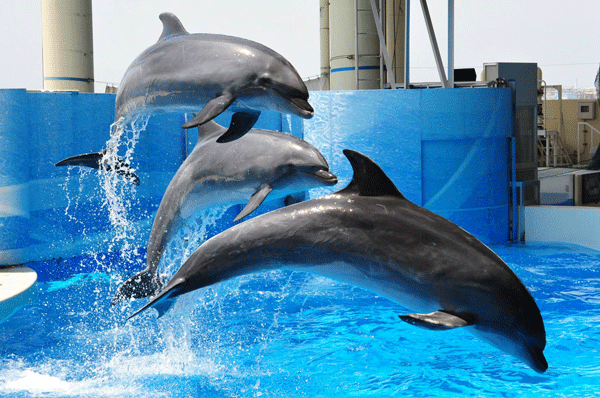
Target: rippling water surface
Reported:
[(278, 334), (292, 334)]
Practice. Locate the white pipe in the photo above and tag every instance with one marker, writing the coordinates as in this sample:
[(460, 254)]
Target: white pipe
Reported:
[(356, 44), (395, 31), (407, 45), (67, 45), (324, 21), (451, 43)]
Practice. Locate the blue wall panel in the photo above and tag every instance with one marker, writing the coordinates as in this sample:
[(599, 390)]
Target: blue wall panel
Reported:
[(14, 171), (50, 212), (445, 149), (384, 125)]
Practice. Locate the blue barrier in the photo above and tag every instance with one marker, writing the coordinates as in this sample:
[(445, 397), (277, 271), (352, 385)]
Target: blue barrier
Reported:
[(448, 150)]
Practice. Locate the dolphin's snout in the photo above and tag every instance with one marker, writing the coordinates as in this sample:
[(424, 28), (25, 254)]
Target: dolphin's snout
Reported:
[(326, 176), (537, 360), (305, 110)]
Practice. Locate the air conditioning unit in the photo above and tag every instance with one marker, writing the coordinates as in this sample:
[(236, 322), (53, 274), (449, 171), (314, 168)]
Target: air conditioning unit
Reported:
[(585, 110)]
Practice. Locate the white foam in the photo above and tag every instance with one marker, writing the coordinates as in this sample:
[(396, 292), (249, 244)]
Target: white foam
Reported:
[(37, 383)]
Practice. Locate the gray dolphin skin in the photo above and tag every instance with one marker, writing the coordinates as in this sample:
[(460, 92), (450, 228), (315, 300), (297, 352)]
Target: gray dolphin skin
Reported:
[(368, 234), (260, 163), (185, 72)]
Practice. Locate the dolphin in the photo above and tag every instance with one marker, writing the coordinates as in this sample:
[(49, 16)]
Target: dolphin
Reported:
[(260, 163), (96, 160), (183, 72), (370, 235)]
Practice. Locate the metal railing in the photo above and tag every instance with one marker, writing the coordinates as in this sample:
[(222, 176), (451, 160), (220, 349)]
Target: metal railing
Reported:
[(594, 130)]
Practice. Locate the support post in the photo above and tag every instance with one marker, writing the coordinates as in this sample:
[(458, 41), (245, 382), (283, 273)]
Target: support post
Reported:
[(434, 45), (451, 43), (382, 46)]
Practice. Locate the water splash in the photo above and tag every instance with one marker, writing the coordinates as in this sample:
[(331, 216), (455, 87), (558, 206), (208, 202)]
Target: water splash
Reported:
[(189, 237), (120, 194), (73, 202)]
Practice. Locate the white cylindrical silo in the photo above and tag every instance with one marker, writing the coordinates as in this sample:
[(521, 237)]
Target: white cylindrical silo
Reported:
[(67, 45), (344, 28)]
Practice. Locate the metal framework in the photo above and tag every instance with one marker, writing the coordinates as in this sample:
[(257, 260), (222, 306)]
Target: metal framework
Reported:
[(446, 82)]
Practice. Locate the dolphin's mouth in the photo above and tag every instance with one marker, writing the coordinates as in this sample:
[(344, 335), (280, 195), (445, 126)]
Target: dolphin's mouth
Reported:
[(304, 108), (325, 175)]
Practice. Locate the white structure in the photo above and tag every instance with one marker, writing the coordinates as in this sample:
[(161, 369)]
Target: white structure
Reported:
[(67, 45), (368, 44), (362, 43)]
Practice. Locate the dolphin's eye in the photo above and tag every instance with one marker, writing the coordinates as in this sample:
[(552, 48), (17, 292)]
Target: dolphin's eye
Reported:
[(285, 168), (265, 81)]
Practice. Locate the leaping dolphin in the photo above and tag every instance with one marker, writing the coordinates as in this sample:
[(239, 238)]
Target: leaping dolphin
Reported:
[(260, 163), (370, 235), (185, 72)]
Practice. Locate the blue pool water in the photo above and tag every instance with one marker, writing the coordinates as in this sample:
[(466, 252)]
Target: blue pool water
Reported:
[(285, 334), (291, 334)]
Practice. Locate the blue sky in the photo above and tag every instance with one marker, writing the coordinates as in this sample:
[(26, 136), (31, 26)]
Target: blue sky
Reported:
[(562, 37)]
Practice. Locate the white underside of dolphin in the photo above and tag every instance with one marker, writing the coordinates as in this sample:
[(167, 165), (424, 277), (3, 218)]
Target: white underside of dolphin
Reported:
[(369, 235)]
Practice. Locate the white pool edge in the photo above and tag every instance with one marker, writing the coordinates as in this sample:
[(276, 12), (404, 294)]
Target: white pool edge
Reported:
[(567, 224)]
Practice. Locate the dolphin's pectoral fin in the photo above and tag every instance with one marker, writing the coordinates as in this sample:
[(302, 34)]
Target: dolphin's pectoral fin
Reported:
[(293, 199), (241, 123), (212, 109), (438, 320), (255, 200)]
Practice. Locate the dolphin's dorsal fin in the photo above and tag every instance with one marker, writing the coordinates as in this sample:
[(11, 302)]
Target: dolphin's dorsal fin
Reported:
[(368, 179), (241, 123), (172, 26)]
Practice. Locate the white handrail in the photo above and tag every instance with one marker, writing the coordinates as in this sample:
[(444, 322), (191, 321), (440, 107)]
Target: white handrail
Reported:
[(594, 130)]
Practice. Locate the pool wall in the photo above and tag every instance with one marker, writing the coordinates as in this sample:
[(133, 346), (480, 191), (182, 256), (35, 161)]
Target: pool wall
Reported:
[(448, 150), (570, 224)]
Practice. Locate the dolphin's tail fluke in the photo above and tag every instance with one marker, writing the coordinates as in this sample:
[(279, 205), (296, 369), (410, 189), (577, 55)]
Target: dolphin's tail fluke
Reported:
[(95, 161), (91, 160), (142, 284), (163, 302)]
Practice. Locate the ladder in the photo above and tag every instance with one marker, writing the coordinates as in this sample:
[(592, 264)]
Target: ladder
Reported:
[(551, 150), (362, 11)]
